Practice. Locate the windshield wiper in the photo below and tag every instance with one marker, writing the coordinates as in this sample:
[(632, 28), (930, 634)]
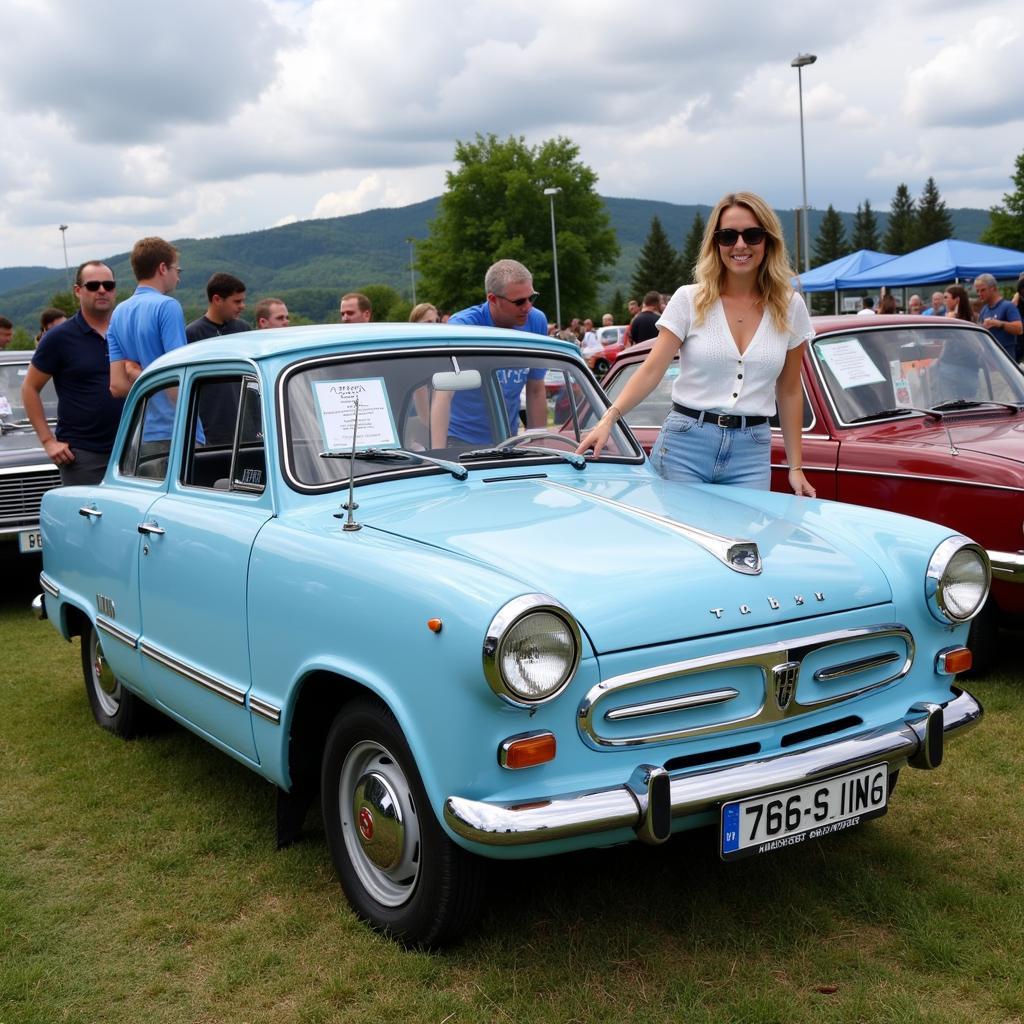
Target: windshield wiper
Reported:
[(386, 454), (899, 411), (970, 403), (512, 448)]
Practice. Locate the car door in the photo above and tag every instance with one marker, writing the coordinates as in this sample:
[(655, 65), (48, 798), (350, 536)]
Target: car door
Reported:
[(194, 563)]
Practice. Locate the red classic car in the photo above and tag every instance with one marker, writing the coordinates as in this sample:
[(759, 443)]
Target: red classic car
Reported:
[(912, 414)]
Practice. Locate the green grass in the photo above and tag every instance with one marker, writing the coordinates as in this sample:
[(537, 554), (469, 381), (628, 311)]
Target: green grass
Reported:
[(139, 883)]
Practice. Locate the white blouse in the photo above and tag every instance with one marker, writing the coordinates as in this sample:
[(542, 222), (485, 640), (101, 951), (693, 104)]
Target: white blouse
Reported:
[(713, 376)]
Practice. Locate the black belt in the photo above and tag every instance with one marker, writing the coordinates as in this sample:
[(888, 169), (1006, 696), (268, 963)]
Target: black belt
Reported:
[(721, 419)]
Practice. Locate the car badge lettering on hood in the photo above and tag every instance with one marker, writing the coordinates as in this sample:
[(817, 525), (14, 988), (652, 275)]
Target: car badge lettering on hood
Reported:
[(739, 555), (773, 602)]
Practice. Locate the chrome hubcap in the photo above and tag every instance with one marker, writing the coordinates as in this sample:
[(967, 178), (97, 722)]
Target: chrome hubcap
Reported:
[(378, 817), (104, 683)]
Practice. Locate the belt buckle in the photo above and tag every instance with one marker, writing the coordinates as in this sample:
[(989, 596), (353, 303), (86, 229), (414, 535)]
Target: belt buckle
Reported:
[(724, 420)]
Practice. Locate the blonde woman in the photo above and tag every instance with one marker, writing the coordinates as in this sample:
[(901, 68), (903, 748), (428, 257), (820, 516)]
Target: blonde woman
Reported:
[(424, 313), (740, 333)]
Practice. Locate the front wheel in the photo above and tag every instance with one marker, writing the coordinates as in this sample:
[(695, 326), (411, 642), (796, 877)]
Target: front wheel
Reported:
[(113, 707), (601, 367), (400, 871)]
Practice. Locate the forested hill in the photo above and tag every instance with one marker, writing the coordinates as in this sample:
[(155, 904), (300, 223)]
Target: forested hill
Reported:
[(311, 263)]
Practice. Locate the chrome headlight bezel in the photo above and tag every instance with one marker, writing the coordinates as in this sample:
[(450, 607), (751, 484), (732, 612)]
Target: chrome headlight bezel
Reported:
[(511, 615), (936, 582)]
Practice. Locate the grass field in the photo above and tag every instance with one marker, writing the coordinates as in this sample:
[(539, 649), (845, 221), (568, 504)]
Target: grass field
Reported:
[(139, 883)]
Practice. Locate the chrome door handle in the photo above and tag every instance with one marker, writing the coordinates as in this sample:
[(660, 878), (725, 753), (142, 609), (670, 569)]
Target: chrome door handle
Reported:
[(150, 528), (88, 512)]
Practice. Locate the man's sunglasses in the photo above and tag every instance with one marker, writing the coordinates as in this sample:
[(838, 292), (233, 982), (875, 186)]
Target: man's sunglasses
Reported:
[(531, 299), (95, 286), (730, 236)]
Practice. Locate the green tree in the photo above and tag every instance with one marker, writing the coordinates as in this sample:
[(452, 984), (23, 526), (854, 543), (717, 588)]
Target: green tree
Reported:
[(388, 305), (21, 340), (617, 308), (933, 221), (64, 301), (865, 228), (691, 249), (494, 208), (1006, 222), (902, 228), (830, 242), (658, 268)]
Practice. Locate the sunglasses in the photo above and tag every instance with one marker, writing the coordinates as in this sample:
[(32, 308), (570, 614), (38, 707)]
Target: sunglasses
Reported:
[(531, 299), (95, 286), (730, 236)]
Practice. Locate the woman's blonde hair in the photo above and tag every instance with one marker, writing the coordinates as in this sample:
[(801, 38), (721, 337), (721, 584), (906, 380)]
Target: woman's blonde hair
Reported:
[(420, 310), (773, 276)]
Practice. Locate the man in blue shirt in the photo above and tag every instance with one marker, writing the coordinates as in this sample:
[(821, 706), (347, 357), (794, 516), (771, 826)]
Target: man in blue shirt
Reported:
[(74, 354), (461, 417), (999, 316), (146, 326)]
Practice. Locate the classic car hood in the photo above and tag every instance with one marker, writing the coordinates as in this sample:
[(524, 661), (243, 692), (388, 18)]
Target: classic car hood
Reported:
[(1003, 438), (616, 553)]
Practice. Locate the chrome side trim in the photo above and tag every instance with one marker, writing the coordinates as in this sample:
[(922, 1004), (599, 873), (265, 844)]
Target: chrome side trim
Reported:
[(1007, 565), (904, 741), (116, 631), (217, 686), (741, 556), (656, 707), (48, 585), (764, 659), (264, 710), (824, 675)]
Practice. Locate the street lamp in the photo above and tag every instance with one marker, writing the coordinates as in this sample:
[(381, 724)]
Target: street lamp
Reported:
[(800, 61), (551, 193), (412, 266), (64, 240)]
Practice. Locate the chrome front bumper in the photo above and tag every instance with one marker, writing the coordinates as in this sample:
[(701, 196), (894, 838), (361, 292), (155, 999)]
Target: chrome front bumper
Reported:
[(1007, 565), (652, 796)]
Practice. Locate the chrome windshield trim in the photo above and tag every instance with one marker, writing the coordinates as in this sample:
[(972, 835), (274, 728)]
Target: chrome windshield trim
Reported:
[(265, 710), (741, 556), (764, 658), (48, 585), (657, 707), (1007, 565), (116, 631), (217, 686)]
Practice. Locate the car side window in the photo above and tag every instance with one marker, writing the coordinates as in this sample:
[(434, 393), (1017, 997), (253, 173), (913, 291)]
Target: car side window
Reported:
[(149, 437), (226, 446)]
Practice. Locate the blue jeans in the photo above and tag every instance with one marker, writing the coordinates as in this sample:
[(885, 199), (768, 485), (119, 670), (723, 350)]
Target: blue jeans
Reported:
[(697, 452)]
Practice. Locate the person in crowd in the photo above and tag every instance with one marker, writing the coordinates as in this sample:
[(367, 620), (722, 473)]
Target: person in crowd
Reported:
[(270, 313), (589, 344), (1018, 301), (887, 304), (424, 313), (998, 316), (148, 324), (867, 306), (607, 320), (739, 333), (49, 318), (460, 418), (632, 307), (644, 325), (74, 355), (915, 305), (225, 295), (355, 308), (937, 308), (6, 332), (958, 303)]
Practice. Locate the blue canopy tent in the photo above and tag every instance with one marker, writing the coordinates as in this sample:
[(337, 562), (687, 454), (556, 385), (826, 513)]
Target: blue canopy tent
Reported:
[(823, 278), (950, 260)]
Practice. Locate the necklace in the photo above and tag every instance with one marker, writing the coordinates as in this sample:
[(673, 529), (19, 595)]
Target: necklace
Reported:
[(746, 311)]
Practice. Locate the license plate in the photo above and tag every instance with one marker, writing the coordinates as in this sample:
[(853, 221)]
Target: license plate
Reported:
[(30, 542), (761, 824)]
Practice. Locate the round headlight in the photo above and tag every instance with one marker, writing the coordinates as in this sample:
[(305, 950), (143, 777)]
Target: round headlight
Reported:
[(957, 580), (531, 650)]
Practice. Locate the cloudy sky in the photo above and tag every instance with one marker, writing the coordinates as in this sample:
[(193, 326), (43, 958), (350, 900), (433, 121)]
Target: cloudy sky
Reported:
[(209, 117)]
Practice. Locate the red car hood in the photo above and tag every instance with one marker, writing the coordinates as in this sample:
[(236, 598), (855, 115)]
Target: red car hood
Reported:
[(1002, 437)]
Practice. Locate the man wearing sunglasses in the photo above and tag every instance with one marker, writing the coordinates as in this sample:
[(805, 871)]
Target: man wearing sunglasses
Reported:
[(462, 418), (74, 354)]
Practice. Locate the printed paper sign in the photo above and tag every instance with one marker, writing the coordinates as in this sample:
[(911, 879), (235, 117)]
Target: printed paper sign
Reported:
[(851, 365), (336, 401), (5, 406)]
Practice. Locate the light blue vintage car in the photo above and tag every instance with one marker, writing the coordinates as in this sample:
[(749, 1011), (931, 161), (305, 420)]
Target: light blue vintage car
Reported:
[(337, 555)]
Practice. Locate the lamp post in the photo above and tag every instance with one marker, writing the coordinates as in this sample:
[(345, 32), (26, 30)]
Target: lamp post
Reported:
[(412, 266), (800, 61), (64, 240), (551, 193)]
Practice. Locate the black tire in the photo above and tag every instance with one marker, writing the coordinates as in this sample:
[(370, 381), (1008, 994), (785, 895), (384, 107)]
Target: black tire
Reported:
[(114, 708), (601, 367), (983, 640), (400, 871)]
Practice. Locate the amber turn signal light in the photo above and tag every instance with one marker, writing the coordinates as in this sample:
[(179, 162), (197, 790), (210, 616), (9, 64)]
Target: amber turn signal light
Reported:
[(434, 625), (953, 660), (527, 749)]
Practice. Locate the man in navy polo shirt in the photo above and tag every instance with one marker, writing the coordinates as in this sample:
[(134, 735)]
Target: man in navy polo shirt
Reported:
[(74, 354), (998, 316)]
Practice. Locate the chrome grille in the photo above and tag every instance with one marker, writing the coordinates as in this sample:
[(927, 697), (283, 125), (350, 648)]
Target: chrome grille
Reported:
[(744, 688), (21, 495)]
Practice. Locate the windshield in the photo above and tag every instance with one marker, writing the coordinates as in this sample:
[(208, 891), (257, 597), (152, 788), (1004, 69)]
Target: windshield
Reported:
[(878, 373), (456, 407), (12, 376)]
